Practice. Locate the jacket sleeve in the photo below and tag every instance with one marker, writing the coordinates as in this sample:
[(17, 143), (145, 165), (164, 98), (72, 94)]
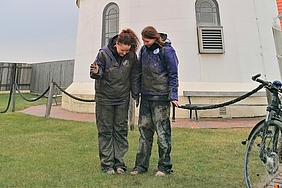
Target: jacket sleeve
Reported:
[(172, 70), (135, 78), (99, 60)]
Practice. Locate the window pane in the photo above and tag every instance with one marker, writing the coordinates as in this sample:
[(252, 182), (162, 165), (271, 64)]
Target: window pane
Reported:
[(112, 26), (206, 19)]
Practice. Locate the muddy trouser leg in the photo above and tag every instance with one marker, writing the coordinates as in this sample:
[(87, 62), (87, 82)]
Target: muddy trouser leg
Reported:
[(146, 130), (160, 116), (104, 121), (120, 133)]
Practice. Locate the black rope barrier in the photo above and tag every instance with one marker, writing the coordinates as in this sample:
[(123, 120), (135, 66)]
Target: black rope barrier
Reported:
[(87, 100), (31, 100), (71, 96), (9, 100), (225, 103)]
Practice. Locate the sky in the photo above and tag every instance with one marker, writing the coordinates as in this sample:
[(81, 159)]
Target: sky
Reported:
[(37, 30)]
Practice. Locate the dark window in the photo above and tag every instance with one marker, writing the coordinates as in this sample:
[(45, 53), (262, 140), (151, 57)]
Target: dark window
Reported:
[(110, 22), (207, 13)]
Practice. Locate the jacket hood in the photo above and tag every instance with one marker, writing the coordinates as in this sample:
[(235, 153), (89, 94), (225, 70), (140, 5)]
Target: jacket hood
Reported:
[(164, 38), (112, 43)]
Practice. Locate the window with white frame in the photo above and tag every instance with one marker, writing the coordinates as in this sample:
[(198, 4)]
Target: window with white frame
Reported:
[(110, 22), (210, 32)]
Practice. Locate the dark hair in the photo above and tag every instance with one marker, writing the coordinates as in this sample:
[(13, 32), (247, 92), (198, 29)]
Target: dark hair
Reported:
[(150, 32), (128, 37)]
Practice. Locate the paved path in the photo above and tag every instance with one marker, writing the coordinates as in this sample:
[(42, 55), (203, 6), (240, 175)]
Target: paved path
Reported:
[(58, 112)]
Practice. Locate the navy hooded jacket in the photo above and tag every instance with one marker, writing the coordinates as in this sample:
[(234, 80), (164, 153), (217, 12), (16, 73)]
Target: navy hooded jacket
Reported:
[(159, 80), (117, 76)]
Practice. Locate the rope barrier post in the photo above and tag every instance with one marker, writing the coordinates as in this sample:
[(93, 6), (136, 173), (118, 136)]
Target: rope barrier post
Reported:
[(14, 98), (131, 113), (49, 100), (13, 74)]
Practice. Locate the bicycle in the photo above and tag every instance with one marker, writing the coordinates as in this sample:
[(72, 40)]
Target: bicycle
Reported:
[(263, 152)]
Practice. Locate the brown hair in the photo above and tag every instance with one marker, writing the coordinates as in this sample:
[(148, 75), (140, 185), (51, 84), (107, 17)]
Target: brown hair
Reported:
[(150, 32), (128, 37)]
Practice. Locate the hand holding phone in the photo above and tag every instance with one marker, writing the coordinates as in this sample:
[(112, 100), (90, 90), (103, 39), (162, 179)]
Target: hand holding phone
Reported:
[(94, 68)]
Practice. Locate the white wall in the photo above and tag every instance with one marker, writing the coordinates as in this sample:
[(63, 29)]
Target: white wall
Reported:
[(247, 37), (248, 40)]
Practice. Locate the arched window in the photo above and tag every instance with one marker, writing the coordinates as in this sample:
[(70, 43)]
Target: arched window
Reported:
[(207, 13), (210, 31), (110, 22)]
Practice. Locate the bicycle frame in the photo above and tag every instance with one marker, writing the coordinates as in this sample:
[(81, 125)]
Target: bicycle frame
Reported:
[(272, 111), (264, 149)]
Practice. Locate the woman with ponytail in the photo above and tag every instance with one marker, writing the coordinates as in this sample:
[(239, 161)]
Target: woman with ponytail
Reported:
[(116, 73)]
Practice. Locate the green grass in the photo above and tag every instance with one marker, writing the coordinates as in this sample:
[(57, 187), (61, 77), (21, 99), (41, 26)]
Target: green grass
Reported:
[(20, 103), (39, 152)]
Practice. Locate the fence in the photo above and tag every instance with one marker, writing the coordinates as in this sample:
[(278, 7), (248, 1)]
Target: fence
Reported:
[(23, 75), (42, 74), (37, 77)]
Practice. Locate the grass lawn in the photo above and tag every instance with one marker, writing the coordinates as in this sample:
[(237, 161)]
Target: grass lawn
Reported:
[(20, 103), (39, 152)]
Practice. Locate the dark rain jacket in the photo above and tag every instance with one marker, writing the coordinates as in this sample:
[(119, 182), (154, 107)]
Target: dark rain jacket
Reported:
[(117, 76), (159, 80)]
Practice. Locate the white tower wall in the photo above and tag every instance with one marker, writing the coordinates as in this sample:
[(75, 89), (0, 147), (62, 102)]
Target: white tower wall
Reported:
[(247, 32)]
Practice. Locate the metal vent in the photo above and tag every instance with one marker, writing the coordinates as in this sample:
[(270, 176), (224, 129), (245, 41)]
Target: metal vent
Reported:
[(210, 39)]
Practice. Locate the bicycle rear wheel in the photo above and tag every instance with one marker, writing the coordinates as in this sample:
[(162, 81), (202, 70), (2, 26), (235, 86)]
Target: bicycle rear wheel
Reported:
[(259, 173)]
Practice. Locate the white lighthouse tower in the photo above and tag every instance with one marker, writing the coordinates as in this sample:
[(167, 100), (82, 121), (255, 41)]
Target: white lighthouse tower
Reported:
[(220, 44)]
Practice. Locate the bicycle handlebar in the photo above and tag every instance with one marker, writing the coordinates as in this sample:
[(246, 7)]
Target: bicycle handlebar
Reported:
[(257, 79), (256, 76), (271, 86)]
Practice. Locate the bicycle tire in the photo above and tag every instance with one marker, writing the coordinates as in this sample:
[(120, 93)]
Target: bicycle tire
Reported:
[(256, 172)]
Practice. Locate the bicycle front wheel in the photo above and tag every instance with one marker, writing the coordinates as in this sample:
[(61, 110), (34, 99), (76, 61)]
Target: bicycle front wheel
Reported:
[(263, 171)]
